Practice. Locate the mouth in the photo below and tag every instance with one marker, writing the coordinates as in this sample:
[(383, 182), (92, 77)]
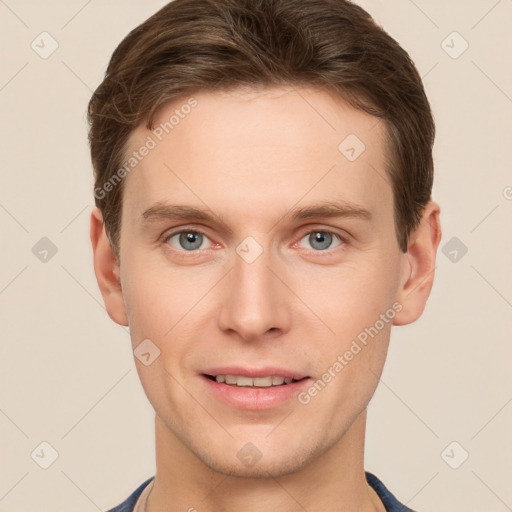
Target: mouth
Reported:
[(254, 389), (253, 382)]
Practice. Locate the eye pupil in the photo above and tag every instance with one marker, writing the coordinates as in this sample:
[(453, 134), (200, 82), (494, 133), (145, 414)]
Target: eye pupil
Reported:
[(323, 238), (190, 238)]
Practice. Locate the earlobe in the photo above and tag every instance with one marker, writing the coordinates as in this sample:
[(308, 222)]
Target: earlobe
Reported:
[(106, 269), (419, 266)]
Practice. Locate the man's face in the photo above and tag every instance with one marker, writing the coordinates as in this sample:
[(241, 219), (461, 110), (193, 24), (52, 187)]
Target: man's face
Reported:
[(260, 290)]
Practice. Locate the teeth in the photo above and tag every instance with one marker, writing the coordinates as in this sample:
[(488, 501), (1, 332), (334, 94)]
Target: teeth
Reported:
[(258, 382), (230, 379), (261, 382), (243, 381)]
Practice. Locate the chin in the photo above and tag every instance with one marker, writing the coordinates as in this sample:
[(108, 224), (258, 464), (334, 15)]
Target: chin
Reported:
[(276, 466), (261, 458)]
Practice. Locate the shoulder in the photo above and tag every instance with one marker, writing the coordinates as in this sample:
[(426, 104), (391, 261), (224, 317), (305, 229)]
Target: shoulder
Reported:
[(389, 500), (129, 503)]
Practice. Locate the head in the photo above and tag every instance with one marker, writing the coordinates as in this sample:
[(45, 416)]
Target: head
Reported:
[(263, 180)]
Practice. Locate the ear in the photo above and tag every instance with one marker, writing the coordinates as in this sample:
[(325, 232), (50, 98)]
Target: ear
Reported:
[(419, 265), (106, 269)]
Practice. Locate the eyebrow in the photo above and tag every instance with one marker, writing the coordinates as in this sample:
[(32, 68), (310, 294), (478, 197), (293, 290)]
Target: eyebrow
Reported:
[(328, 209)]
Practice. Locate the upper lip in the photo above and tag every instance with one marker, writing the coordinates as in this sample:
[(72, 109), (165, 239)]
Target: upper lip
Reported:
[(244, 371)]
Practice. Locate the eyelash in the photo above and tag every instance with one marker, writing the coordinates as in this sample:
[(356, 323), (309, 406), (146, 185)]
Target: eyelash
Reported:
[(166, 236)]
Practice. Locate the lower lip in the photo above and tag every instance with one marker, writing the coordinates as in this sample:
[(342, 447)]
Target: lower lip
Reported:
[(255, 399)]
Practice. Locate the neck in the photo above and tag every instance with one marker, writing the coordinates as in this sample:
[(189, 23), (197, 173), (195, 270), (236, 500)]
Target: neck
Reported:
[(333, 482)]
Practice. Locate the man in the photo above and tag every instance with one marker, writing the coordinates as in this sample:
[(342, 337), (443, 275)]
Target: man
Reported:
[(263, 176)]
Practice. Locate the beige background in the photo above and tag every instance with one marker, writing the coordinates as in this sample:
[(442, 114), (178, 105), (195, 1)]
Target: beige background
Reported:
[(67, 375)]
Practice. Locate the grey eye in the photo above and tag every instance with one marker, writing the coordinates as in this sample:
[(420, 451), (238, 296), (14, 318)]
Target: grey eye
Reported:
[(187, 240), (191, 241), (321, 240)]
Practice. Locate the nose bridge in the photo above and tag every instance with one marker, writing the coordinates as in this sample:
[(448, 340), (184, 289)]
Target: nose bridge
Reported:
[(254, 301)]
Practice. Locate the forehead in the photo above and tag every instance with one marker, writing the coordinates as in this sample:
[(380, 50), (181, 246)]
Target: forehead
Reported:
[(258, 150)]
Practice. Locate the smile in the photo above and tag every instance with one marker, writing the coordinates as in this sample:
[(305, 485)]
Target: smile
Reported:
[(257, 382)]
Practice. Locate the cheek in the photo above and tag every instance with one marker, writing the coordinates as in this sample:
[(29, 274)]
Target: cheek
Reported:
[(148, 311), (152, 302), (349, 298), (154, 311), (164, 305), (350, 301), (351, 370)]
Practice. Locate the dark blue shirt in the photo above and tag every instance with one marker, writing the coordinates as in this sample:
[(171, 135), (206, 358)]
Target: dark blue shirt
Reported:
[(390, 502)]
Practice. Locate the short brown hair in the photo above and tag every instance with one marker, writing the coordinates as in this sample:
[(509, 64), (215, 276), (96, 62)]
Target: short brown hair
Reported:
[(210, 45)]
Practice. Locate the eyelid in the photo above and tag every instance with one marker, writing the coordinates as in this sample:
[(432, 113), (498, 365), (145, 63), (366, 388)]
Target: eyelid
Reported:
[(306, 231), (168, 234), (342, 234), (342, 238)]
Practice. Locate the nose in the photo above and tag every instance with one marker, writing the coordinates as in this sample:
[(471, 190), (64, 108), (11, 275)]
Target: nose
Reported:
[(256, 302)]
